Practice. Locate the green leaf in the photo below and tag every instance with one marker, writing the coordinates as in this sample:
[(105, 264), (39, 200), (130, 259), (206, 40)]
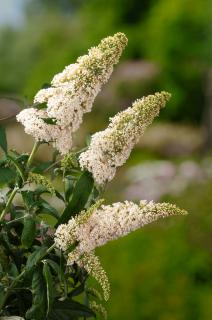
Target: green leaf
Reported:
[(29, 231), (40, 106), (47, 208), (59, 196), (28, 198), (50, 120), (41, 167), (3, 139), (38, 309), (57, 269), (35, 257), (49, 286), (17, 165), (78, 290), (46, 85), (69, 187), (7, 175), (81, 193), (69, 309), (13, 271)]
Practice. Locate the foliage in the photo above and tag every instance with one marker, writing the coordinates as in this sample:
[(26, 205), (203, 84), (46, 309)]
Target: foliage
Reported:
[(46, 256), (35, 281)]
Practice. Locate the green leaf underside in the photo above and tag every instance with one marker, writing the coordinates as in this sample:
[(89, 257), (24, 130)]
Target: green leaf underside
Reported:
[(38, 309), (29, 232), (69, 187), (35, 257), (56, 268), (47, 208), (49, 286), (69, 309), (81, 193)]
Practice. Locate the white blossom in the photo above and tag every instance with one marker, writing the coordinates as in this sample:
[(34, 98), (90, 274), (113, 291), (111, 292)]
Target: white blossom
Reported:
[(72, 94), (109, 222), (110, 148), (32, 120), (75, 88), (91, 263)]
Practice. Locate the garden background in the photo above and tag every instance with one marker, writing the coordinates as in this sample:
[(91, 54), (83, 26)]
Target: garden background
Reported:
[(164, 271)]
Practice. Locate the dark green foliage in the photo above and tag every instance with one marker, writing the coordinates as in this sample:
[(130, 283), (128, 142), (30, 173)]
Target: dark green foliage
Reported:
[(38, 309), (35, 257), (34, 280), (29, 231), (49, 286), (79, 198), (69, 309), (7, 175)]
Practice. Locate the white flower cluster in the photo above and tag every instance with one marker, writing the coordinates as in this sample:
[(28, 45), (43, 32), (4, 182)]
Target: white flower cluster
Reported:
[(106, 223), (41, 180), (98, 308), (90, 262), (111, 148), (72, 94)]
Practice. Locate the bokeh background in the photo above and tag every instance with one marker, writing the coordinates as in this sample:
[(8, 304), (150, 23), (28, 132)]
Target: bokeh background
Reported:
[(164, 271)]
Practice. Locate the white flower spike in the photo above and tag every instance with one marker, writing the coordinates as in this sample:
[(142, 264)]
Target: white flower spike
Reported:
[(72, 94), (111, 148)]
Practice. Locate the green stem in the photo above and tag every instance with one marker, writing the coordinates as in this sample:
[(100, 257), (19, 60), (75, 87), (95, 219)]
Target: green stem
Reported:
[(52, 165), (12, 195), (34, 149), (49, 250), (9, 201), (15, 220)]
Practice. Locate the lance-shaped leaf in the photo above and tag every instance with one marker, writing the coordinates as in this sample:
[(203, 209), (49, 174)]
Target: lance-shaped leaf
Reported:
[(69, 309), (29, 231), (38, 309), (80, 196), (35, 257), (49, 286)]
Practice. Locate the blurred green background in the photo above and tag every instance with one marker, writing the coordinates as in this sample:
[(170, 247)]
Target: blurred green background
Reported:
[(163, 272)]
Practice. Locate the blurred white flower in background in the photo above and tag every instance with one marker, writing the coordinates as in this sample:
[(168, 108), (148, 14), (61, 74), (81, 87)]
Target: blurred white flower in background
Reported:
[(152, 180)]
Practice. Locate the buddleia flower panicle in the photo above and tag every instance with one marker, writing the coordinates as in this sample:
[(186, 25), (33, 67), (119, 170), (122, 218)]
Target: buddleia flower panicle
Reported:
[(72, 94), (69, 161), (43, 181), (109, 222), (111, 148), (104, 224), (65, 233), (98, 308), (90, 262)]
